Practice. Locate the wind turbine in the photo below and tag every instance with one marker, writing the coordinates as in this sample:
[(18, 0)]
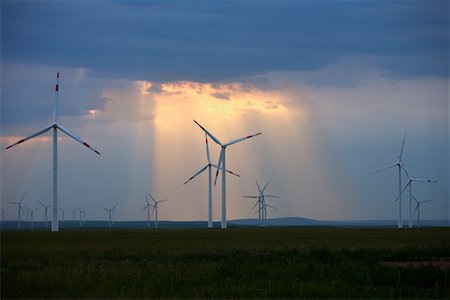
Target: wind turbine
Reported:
[(261, 202), (55, 126), (418, 203), (31, 215), (221, 164), (409, 184), (19, 208), (74, 211), (110, 211), (155, 208), (46, 207), (400, 165), (82, 214), (147, 207), (3, 213), (208, 166)]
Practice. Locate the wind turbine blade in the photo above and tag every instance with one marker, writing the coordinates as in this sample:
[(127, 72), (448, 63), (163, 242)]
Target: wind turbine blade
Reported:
[(241, 139), (55, 100), (104, 208), (406, 186), (388, 167), (253, 197), (145, 207), (415, 199), (23, 197), (152, 197), (257, 202), (77, 138), (423, 180), (163, 200), (262, 191), (425, 201), (257, 184), (43, 130), (208, 133), (270, 206), (146, 198), (201, 170), (114, 207), (403, 146), (270, 196), (219, 165), (207, 149), (228, 171), (417, 207), (404, 170)]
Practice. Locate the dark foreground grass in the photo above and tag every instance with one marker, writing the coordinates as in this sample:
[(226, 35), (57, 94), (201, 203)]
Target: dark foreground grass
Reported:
[(233, 263)]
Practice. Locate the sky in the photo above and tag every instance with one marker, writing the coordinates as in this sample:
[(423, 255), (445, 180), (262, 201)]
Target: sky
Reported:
[(332, 85)]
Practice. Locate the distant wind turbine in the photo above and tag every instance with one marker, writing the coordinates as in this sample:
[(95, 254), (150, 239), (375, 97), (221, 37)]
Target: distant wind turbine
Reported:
[(110, 211), (46, 207), (261, 202), (19, 208), (32, 211), (418, 203), (208, 166), (147, 207), (155, 208), (3, 213), (410, 184), (55, 126), (82, 216), (221, 164), (400, 165)]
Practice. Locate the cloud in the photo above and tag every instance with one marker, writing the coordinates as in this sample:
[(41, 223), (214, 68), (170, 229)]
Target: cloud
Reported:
[(205, 42)]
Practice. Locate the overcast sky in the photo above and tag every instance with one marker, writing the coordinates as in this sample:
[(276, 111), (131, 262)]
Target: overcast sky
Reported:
[(333, 86)]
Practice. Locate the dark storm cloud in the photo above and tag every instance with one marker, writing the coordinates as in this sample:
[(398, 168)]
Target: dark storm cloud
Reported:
[(224, 40)]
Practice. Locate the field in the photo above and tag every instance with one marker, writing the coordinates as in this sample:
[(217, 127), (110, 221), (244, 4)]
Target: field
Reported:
[(232, 263)]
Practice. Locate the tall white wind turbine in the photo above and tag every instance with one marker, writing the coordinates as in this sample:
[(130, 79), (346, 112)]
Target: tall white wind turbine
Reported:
[(155, 208), (55, 126), (409, 185), (82, 216), (221, 165), (46, 207), (400, 165), (19, 208), (208, 166), (110, 211), (147, 207)]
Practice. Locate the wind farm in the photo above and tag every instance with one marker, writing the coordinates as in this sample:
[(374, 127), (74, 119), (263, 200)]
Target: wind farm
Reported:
[(249, 150)]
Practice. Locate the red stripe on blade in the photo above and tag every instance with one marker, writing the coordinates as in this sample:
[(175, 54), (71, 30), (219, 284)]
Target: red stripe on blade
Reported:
[(57, 87), (21, 141), (87, 145)]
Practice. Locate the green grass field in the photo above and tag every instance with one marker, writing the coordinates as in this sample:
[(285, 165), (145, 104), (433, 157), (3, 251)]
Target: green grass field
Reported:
[(232, 263)]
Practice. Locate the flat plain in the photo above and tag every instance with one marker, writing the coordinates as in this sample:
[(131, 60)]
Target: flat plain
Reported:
[(302, 262)]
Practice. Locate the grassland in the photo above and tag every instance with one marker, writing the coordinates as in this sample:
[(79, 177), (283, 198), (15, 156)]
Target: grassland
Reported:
[(234, 263)]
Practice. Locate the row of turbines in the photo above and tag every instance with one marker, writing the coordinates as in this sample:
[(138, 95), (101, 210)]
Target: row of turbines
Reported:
[(220, 166), (401, 168), (55, 126)]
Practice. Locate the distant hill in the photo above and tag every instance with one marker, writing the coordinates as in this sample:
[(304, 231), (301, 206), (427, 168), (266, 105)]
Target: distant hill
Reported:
[(277, 222)]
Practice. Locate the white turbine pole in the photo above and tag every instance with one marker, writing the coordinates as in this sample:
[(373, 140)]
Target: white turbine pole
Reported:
[(400, 221), (223, 224), (410, 225), (210, 222), (55, 225)]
